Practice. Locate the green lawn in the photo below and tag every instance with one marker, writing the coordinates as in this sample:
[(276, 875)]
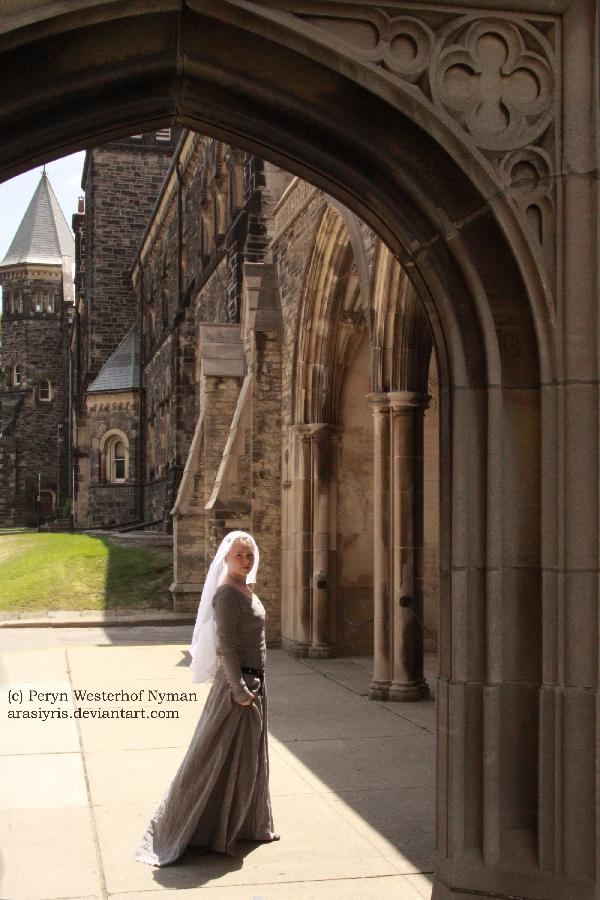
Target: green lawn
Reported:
[(79, 571)]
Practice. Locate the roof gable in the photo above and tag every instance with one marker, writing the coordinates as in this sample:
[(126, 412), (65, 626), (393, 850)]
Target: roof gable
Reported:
[(121, 371)]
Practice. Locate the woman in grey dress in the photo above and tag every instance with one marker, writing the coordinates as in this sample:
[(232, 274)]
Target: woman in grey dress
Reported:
[(220, 793)]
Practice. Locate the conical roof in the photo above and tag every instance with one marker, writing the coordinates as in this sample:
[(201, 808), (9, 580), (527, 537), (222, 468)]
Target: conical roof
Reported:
[(121, 371), (43, 237)]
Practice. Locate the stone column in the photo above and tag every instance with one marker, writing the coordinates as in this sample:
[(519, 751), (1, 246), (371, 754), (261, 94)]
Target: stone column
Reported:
[(322, 619), (406, 495), (382, 673), (300, 542)]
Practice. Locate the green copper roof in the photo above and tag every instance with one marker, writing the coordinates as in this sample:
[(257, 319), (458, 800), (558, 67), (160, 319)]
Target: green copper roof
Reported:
[(121, 371), (43, 236)]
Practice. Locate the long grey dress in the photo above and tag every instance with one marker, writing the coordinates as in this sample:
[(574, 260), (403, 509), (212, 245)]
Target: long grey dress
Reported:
[(220, 792)]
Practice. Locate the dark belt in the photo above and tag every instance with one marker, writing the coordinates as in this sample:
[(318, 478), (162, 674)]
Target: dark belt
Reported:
[(258, 673)]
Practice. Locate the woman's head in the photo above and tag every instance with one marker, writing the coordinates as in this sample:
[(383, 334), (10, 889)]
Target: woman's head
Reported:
[(241, 557)]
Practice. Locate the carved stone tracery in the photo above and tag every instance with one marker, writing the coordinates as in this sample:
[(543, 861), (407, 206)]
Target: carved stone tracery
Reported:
[(495, 76), (500, 91)]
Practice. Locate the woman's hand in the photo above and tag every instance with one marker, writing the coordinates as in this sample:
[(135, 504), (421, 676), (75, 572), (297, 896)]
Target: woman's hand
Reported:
[(247, 702)]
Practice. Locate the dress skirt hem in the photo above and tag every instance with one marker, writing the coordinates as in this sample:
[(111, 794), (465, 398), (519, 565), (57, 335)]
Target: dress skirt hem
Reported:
[(220, 793)]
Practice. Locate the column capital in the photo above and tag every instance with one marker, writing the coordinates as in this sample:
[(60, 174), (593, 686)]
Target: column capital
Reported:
[(320, 429), (378, 402), (405, 400)]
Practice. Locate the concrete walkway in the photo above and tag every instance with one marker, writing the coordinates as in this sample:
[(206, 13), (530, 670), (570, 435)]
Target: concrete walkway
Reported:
[(351, 780)]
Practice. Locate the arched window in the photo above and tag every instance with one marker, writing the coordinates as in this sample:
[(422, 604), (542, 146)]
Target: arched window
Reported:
[(18, 303), (16, 375), (114, 457), (50, 305), (45, 390), (118, 461)]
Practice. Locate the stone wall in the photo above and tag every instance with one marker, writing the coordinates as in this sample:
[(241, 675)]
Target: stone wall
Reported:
[(354, 488), (266, 473), (35, 341), (112, 504), (121, 182), (209, 220), (8, 481)]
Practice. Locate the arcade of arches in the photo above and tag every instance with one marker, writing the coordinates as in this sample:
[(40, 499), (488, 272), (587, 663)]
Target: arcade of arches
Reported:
[(466, 137)]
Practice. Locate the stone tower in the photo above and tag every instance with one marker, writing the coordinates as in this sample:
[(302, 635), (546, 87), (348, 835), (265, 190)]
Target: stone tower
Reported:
[(121, 180), (37, 288)]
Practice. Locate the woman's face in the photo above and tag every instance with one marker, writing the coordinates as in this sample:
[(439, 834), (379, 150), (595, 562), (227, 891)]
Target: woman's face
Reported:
[(240, 560)]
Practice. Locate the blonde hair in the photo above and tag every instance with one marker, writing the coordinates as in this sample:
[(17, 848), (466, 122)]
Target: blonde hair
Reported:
[(242, 540)]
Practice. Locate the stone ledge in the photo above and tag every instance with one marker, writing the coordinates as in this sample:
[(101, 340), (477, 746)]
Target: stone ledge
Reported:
[(90, 618)]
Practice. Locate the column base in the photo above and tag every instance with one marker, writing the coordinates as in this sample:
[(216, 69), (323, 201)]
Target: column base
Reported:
[(379, 690), (296, 649), (322, 651), (441, 891), (409, 691)]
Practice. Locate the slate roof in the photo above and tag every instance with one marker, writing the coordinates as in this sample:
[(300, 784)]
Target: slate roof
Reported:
[(121, 371), (9, 407), (43, 235)]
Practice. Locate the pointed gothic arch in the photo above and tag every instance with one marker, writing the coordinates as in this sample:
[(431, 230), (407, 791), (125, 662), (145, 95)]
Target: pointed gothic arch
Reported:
[(331, 321), (516, 348)]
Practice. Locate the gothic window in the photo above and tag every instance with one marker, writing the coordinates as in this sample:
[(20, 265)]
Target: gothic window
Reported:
[(17, 375), (18, 303), (45, 390), (49, 302), (38, 301), (118, 461), (7, 302), (114, 455)]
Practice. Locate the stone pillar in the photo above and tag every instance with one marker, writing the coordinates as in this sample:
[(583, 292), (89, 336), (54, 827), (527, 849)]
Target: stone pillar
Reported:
[(300, 541), (322, 619), (382, 672), (398, 546), (406, 494)]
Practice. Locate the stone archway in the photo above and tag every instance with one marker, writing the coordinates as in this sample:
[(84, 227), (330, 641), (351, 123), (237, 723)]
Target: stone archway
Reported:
[(444, 130), (326, 514)]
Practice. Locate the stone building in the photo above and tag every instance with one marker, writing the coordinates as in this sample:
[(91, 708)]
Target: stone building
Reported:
[(272, 325), (37, 297), (467, 137), (121, 181)]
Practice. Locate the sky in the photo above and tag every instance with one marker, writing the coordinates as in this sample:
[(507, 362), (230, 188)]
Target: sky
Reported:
[(65, 178)]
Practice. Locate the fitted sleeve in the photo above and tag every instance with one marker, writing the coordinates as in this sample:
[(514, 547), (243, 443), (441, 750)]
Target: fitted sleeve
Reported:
[(227, 613)]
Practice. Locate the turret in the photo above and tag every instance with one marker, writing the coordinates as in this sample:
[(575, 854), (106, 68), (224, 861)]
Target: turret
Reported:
[(37, 284)]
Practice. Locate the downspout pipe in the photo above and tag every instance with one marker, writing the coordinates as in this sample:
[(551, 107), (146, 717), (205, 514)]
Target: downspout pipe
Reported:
[(141, 422)]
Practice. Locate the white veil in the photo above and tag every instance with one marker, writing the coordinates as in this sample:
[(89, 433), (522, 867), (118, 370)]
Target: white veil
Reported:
[(203, 647)]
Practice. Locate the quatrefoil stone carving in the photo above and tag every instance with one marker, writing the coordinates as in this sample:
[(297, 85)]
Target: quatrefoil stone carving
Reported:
[(491, 81)]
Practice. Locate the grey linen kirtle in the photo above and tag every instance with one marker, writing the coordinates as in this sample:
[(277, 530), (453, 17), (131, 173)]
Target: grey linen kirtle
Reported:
[(220, 793)]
